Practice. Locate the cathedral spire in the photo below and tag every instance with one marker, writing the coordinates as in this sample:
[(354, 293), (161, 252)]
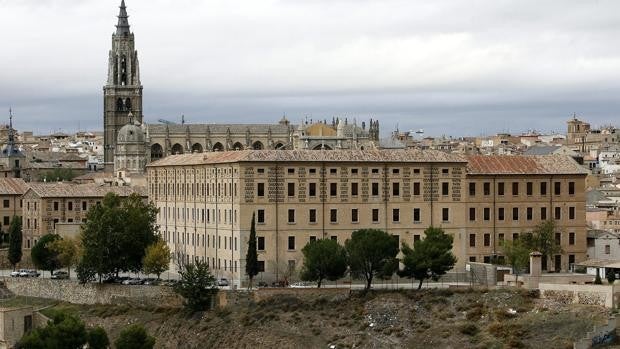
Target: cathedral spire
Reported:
[(122, 28)]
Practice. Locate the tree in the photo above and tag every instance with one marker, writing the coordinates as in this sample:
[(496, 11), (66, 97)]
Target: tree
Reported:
[(57, 175), (156, 258), (68, 251), (134, 337), (323, 259), (44, 257), (197, 285), (15, 241), (98, 338), (517, 255), (251, 258), (64, 331), (542, 239), (115, 236), (370, 253), (429, 258)]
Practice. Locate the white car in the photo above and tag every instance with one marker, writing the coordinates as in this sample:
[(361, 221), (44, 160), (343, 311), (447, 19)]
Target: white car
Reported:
[(302, 284), (223, 282), (15, 273), (28, 273)]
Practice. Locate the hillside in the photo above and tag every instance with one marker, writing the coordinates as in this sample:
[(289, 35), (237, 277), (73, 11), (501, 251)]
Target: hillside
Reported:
[(414, 319)]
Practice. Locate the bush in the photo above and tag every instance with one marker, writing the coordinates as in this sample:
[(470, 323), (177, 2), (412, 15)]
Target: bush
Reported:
[(197, 286), (611, 277), (134, 337)]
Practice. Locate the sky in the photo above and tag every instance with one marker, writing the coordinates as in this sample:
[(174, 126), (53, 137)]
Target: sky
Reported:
[(450, 67)]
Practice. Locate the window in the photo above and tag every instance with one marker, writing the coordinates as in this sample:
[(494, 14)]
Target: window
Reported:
[(500, 237), (472, 259), (529, 213), (291, 242), (333, 171), (500, 188), (260, 216), (500, 213), (333, 189), (55, 205), (260, 243), (291, 216), (375, 171), (416, 170), (571, 188), (472, 189), (7, 220), (84, 205), (6, 203), (529, 188), (312, 215), (558, 213), (354, 171), (557, 188), (558, 238), (312, 189), (445, 171), (70, 206), (334, 238), (291, 171), (416, 188), (291, 189), (487, 239), (313, 239), (375, 215), (571, 212), (515, 236), (445, 214), (313, 171), (515, 188), (395, 189), (416, 215), (395, 171), (607, 249), (571, 238), (354, 215), (543, 188), (543, 213), (472, 213), (354, 189), (472, 240), (486, 188), (444, 188), (260, 189), (395, 215), (515, 213), (375, 189), (261, 266), (260, 170), (416, 237), (333, 215)]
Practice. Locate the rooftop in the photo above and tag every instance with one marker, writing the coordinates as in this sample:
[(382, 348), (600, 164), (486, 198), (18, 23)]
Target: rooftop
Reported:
[(12, 186), (67, 189), (527, 164)]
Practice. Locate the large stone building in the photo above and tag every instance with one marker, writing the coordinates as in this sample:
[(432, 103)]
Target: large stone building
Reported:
[(206, 202), (11, 191)]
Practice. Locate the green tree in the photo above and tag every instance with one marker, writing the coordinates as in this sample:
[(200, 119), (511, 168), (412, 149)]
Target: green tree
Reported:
[(68, 251), (57, 175), (63, 332), (370, 253), (98, 338), (197, 286), (429, 258), (251, 258), (156, 258), (323, 259), (115, 236), (517, 255), (542, 239), (44, 257), (134, 337), (15, 241)]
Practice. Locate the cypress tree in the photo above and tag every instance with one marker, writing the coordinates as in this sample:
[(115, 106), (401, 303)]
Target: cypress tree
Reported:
[(251, 259), (15, 241)]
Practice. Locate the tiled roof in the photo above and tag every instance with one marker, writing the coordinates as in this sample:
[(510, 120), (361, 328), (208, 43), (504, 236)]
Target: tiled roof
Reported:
[(67, 189), (310, 156), (527, 164), (12, 186)]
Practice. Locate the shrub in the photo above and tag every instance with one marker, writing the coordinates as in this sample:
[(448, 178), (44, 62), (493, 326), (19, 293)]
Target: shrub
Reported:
[(469, 329)]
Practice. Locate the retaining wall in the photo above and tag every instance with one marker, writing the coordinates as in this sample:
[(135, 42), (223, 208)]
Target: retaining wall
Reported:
[(603, 295), (600, 335)]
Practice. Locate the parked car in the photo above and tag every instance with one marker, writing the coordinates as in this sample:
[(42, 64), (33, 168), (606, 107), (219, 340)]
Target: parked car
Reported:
[(15, 273), (29, 273), (222, 282), (302, 284), (57, 275), (150, 281), (132, 281)]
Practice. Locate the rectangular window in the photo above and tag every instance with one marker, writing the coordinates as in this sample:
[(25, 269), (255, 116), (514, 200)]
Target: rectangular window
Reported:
[(261, 266), (557, 188), (558, 213), (291, 216), (472, 259), (6, 203), (500, 237), (515, 236), (354, 215), (472, 189), (312, 171), (515, 213), (543, 188), (83, 205), (260, 216), (571, 212), (444, 188), (291, 189), (291, 170), (487, 239), (333, 189), (354, 189), (260, 189), (55, 205), (445, 171), (416, 215), (445, 214), (500, 213), (375, 171), (334, 238), (529, 188), (291, 242), (500, 188), (607, 249), (7, 221), (543, 213), (312, 215), (375, 189), (260, 243), (395, 215), (515, 188), (333, 171), (395, 171), (571, 238), (416, 188), (354, 171), (375, 215), (571, 188), (472, 240), (487, 213), (529, 213), (333, 215), (311, 189), (70, 206), (395, 189), (472, 213), (416, 237), (313, 239), (486, 188)]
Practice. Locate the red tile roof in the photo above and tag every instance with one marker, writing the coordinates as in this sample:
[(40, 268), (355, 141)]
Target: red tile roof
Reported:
[(513, 164)]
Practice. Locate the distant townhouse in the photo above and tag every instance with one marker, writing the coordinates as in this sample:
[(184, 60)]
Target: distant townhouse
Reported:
[(11, 191)]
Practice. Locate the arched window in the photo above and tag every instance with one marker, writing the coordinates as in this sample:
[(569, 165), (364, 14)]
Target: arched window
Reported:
[(237, 146), (257, 145), (119, 104), (197, 148), (177, 149), (218, 147), (157, 152), (127, 104)]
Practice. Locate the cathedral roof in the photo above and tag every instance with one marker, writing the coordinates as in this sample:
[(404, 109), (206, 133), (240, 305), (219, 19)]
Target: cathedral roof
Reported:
[(130, 133), (217, 128), (122, 28)]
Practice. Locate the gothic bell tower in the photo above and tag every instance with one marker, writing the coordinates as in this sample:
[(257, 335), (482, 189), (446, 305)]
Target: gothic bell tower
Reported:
[(123, 92)]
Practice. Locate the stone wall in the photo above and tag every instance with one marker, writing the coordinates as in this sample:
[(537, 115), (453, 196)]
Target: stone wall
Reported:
[(599, 336), (602, 295), (305, 294), (92, 293)]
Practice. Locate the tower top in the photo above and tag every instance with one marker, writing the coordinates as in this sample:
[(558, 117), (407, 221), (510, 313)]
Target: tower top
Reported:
[(122, 28)]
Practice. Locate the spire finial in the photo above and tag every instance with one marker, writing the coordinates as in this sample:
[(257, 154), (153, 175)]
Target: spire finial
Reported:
[(122, 28), (11, 136)]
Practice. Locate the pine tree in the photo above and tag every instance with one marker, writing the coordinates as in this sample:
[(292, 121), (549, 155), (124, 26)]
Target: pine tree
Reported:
[(251, 259)]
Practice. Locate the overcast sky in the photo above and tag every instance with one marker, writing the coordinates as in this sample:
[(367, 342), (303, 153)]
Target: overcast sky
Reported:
[(450, 67)]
